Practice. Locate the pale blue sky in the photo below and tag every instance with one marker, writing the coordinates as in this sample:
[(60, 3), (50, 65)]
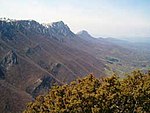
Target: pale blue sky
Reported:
[(108, 18)]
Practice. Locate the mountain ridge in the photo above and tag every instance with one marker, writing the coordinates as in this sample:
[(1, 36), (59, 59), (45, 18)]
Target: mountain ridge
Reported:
[(35, 56)]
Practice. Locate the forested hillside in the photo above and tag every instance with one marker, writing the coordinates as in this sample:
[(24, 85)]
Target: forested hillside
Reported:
[(112, 94)]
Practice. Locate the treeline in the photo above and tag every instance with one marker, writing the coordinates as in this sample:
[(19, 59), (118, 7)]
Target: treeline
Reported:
[(91, 95)]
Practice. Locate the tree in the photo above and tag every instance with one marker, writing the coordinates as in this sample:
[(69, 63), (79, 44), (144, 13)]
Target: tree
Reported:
[(92, 95)]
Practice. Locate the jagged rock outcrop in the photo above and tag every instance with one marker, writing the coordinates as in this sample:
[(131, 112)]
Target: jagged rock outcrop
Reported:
[(61, 30), (9, 60), (55, 68), (56, 30), (40, 86), (31, 50)]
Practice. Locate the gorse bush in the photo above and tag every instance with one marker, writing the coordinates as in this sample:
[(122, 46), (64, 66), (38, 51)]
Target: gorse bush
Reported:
[(92, 95)]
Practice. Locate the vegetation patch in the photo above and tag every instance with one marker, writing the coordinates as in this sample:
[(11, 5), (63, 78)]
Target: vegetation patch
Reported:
[(92, 95), (112, 59)]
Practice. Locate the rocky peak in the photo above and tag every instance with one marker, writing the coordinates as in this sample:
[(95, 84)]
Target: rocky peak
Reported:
[(84, 34), (30, 24), (58, 24), (7, 19), (60, 30), (7, 25)]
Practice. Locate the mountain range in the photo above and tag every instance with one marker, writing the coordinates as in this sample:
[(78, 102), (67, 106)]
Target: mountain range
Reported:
[(35, 56)]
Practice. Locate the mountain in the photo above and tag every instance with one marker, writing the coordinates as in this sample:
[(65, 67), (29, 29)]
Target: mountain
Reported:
[(119, 55), (85, 35), (35, 56)]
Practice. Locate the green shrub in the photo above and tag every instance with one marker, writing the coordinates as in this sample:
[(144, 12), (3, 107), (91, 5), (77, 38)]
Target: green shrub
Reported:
[(92, 95)]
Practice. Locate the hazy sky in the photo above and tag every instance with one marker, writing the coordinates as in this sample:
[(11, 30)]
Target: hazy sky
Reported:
[(109, 18)]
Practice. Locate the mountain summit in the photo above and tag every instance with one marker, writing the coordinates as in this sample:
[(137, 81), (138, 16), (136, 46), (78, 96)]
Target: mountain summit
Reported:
[(58, 30), (85, 35)]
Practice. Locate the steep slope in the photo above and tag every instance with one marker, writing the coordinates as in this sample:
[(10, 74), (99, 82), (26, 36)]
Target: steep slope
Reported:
[(34, 56)]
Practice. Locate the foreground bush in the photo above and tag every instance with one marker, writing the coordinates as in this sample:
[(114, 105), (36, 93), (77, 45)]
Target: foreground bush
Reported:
[(92, 95)]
